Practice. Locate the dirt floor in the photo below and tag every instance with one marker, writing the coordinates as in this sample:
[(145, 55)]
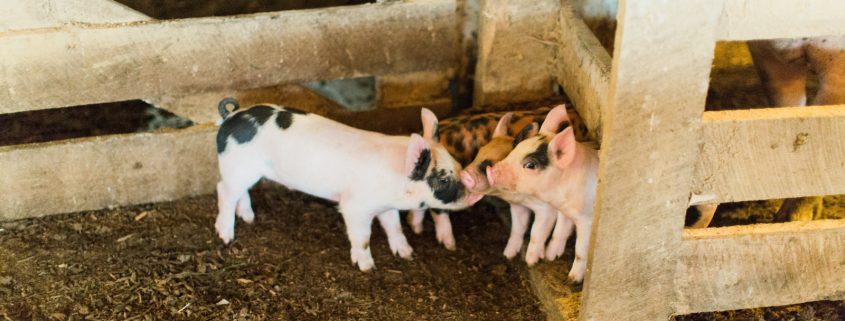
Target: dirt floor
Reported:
[(164, 262)]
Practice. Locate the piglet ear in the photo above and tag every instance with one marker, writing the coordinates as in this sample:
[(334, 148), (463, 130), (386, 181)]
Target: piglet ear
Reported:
[(502, 126), (429, 124), (553, 120), (418, 157), (562, 148)]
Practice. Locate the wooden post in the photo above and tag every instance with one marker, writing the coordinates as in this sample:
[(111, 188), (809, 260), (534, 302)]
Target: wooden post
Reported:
[(515, 51), (659, 79)]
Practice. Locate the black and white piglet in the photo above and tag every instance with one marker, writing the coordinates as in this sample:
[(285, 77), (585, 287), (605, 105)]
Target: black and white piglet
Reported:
[(368, 174)]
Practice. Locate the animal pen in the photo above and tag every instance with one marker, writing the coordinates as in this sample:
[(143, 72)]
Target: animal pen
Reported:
[(660, 152)]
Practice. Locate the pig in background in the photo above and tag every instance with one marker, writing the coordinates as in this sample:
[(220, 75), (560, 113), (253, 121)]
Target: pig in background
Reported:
[(370, 175), (783, 66)]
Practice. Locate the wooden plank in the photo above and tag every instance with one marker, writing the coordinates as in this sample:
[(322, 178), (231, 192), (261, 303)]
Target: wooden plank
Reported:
[(97, 172), (769, 19), (742, 267), (771, 153), (582, 69), (515, 49), (661, 63), (30, 14), (85, 63)]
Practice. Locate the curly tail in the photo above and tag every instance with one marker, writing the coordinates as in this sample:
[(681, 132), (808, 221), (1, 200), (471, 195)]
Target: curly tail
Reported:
[(221, 107)]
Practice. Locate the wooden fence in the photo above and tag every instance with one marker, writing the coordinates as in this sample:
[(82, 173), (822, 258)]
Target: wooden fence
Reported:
[(645, 105)]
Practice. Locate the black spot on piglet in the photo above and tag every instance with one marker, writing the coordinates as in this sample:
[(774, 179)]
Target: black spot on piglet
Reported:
[(523, 134), (540, 156), (284, 119), (445, 187), (421, 166), (243, 126)]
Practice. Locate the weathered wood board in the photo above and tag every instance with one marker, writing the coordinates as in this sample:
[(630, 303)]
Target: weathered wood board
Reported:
[(770, 153), (771, 19), (742, 267), (583, 69), (98, 172), (91, 63)]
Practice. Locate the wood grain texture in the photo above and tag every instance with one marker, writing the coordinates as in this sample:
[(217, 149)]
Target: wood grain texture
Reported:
[(582, 69), (515, 51), (742, 267), (661, 63), (29, 14), (771, 153), (93, 173), (770, 19), (91, 63)]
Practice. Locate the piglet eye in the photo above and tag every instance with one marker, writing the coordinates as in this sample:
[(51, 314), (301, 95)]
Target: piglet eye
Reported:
[(529, 165)]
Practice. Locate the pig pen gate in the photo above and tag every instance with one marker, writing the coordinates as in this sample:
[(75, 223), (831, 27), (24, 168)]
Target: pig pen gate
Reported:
[(645, 105)]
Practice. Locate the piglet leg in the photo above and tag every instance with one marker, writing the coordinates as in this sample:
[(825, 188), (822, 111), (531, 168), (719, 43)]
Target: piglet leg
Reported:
[(544, 220), (519, 224), (583, 227), (395, 238), (244, 210), (226, 202), (415, 220), (443, 230), (358, 228), (563, 229)]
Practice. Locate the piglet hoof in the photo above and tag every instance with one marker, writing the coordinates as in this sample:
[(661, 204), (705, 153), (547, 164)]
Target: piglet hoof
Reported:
[(576, 276), (554, 250), (448, 241), (403, 249), (511, 250), (246, 214), (227, 234), (534, 253), (363, 259)]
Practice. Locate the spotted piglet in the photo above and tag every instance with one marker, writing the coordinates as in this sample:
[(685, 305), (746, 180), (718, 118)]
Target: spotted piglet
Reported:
[(521, 205), (369, 175), (558, 170), (463, 136)]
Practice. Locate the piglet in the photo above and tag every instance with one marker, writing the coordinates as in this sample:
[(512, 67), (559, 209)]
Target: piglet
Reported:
[(370, 175), (558, 170), (521, 204), (462, 136)]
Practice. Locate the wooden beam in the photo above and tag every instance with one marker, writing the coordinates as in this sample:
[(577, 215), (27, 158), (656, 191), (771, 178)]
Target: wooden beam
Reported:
[(582, 69), (769, 19), (750, 266), (17, 15), (771, 153), (661, 63), (97, 172), (91, 63), (515, 50)]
